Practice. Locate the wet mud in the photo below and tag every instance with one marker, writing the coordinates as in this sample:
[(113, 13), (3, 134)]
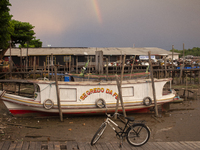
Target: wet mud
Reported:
[(180, 123)]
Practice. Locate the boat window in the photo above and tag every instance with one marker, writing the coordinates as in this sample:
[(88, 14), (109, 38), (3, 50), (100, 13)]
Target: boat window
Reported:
[(21, 89), (68, 94), (128, 91), (37, 88), (166, 88)]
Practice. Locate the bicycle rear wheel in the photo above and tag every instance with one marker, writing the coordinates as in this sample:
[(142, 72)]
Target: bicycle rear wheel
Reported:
[(138, 134), (99, 133)]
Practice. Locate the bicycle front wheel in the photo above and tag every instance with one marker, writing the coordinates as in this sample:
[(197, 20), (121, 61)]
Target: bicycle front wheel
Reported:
[(99, 133), (138, 134)]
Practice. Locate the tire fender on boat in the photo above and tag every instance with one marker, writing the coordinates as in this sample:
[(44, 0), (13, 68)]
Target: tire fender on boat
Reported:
[(100, 103), (48, 104), (147, 101)]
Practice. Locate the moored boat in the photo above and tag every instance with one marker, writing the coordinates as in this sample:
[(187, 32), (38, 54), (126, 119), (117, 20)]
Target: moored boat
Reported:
[(39, 97)]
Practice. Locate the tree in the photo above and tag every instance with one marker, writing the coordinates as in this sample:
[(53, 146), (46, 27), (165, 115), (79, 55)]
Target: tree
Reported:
[(5, 26), (195, 51), (35, 43), (23, 34)]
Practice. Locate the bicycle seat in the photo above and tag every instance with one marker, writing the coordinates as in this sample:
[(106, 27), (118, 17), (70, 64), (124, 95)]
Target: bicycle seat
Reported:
[(130, 118)]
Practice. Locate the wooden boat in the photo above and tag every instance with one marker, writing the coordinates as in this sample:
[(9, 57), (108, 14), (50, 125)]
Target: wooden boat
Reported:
[(39, 97)]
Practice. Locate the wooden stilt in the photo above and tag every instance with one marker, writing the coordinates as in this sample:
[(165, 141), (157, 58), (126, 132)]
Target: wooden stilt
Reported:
[(58, 95), (120, 95), (106, 69), (132, 67), (153, 86), (119, 89)]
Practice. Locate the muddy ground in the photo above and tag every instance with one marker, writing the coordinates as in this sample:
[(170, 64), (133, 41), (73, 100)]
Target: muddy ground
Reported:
[(180, 123)]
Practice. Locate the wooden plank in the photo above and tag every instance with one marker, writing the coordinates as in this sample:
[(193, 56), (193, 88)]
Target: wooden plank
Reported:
[(126, 146), (146, 146), (57, 145), (19, 145), (177, 145), (104, 146), (151, 145), (88, 146), (72, 145), (81, 146), (1, 145), (192, 144), (167, 146), (154, 145), (98, 146), (12, 146), (174, 147), (25, 145), (50, 145), (6, 145), (159, 145), (115, 145), (109, 145), (32, 146), (185, 145), (92, 147), (197, 143), (38, 145)]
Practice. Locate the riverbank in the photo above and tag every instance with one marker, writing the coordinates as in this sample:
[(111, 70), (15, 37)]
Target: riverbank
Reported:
[(180, 123)]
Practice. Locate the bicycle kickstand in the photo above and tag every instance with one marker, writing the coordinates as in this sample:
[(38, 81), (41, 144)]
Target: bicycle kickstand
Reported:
[(121, 142)]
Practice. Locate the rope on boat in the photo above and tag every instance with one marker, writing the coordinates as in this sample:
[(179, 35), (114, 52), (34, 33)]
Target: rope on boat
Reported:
[(47, 86)]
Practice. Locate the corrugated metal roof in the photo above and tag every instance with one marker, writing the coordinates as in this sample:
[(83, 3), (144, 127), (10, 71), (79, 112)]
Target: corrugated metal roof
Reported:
[(87, 51)]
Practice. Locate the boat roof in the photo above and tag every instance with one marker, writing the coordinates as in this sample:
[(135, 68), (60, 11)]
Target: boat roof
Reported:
[(102, 82)]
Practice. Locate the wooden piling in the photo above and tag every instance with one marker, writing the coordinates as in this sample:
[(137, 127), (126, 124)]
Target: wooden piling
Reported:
[(106, 69), (122, 73), (34, 69), (120, 96), (181, 73), (76, 64), (153, 86), (165, 67), (52, 66), (119, 90), (21, 59), (48, 69), (172, 56), (132, 67), (186, 88), (58, 95), (199, 77)]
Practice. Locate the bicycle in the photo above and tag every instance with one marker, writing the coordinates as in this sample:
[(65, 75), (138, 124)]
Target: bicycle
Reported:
[(137, 134)]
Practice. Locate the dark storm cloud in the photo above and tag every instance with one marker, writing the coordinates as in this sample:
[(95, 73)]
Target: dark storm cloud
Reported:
[(112, 23)]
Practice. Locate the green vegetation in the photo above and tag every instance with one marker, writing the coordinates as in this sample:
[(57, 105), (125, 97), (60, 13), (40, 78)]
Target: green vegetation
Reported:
[(5, 26), (195, 51), (24, 35), (15, 31)]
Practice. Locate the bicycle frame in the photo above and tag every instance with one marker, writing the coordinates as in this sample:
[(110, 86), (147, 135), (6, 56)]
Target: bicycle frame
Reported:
[(110, 122)]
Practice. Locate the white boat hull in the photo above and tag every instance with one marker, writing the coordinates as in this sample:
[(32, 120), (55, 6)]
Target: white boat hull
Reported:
[(80, 98)]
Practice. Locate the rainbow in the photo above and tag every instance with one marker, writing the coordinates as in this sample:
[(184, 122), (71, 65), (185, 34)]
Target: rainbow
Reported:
[(97, 10)]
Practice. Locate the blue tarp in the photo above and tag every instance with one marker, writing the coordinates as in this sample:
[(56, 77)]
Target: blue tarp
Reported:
[(188, 67)]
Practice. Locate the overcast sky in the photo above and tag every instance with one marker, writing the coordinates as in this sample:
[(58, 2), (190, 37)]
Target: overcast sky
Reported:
[(112, 23)]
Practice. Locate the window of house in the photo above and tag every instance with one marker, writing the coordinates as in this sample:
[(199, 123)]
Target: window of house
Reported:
[(49, 61), (67, 58)]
